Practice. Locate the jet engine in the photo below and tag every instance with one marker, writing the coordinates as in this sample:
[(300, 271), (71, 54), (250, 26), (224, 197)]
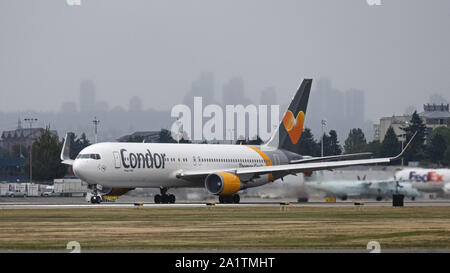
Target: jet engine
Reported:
[(222, 183), (447, 188)]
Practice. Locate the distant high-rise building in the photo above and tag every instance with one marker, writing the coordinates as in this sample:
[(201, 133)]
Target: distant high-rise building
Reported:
[(234, 92), (135, 104), (101, 107), (268, 96), (342, 110), (87, 96), (201, 87), (354, 105), (68, 107)]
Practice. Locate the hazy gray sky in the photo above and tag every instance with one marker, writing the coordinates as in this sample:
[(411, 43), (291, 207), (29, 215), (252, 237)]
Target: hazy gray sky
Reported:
[(398, 53)]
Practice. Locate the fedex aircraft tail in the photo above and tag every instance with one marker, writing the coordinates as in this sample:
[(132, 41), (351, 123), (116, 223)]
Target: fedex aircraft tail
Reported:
[(290, 130)]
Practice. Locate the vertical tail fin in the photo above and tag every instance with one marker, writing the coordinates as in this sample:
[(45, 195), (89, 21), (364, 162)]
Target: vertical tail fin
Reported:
[(65, 152), (289, 131)]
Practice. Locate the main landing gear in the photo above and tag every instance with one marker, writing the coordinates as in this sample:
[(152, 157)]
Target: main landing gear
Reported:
[(164, 198), (229, 199)]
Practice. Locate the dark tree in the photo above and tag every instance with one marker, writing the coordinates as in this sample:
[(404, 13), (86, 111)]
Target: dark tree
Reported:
[(331, 144), (78, 144), (165, 136), (257, 141), (241, 141), (436, 148), (136, 139), (373, 147), (446, 160), (46, 158), (444, 132), (335, 147), (308, 146), (355, 141), (416, 152), (390, 145)]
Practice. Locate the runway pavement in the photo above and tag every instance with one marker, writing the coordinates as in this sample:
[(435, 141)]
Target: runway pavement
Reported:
[(78, 202)]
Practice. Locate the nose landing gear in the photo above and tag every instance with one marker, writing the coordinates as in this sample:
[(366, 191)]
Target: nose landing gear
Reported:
[(164, 198), (95, 198)]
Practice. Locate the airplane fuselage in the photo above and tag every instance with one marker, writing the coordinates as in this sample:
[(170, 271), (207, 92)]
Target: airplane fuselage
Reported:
[(154, 165), (427, 180)]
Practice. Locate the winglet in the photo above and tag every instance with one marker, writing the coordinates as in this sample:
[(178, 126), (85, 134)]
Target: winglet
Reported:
[(65, 152), (408, 146)]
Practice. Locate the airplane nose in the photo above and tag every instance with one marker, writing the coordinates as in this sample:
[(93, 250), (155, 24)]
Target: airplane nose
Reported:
[(78, 170)]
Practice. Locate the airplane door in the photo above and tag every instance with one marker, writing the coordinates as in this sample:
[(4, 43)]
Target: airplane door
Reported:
[(117, 159), (194, 160), (199, 161)]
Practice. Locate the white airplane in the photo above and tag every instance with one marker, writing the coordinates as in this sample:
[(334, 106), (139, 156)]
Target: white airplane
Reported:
[(223, 169), (426, 180)]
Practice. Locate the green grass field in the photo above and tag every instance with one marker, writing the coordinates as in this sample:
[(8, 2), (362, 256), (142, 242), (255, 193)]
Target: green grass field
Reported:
[(201, 228)]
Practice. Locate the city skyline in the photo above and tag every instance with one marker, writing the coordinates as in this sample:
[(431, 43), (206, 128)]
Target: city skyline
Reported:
[(154, 50)]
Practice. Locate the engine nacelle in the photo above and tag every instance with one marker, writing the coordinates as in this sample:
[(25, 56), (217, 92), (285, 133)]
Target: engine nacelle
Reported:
[(447, 188), (222, 183)]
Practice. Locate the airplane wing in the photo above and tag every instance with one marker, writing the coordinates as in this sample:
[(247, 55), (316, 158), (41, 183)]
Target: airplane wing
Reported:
[(251, 172), (65, 152), (328, 158)]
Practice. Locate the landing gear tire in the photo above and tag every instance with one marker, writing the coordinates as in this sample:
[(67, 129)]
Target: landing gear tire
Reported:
[(164, 198), (236, 198), (157, 199), (229, 199), (171, 199), (95, 199)]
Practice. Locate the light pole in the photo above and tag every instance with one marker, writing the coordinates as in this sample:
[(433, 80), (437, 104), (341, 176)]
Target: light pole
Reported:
[(231, 131), (324, 123), (403, 137), (179, 130), (96, 122), (31, 121)]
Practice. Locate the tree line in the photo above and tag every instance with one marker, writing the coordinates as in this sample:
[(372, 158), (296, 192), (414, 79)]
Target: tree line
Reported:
[(429, 150)]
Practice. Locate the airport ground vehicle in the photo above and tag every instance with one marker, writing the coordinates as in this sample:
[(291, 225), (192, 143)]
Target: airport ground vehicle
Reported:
[(16, 193)]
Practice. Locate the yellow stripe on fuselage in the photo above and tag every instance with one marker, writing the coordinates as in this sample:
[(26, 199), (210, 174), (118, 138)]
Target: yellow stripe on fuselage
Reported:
[(265, 157)]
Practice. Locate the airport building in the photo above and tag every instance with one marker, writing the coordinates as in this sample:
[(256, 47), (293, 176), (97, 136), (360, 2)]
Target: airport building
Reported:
[(18, 142), (12, 169), (433, 116), (21, 137), (147, 136)]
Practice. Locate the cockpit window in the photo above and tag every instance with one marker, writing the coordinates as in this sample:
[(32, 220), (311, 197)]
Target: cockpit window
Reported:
[(91, 156)]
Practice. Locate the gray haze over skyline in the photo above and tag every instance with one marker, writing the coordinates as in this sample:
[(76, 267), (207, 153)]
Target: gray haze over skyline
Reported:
[(156, 51)]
